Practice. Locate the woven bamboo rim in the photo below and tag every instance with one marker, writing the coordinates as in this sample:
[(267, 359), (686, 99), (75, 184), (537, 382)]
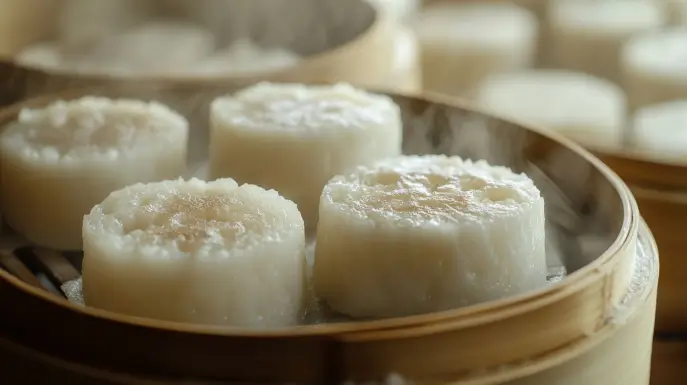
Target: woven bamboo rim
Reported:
[(618, 353), (666, 212), (661, 192), (452, 342)]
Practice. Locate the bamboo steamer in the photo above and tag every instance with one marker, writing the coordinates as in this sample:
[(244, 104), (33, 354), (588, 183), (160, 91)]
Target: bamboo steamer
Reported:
[(619, 354), (592, 328), (661, 193), (349, 41)]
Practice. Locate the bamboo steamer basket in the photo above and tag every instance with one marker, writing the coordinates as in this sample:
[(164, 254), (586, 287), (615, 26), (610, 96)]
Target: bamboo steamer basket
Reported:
[(349, 41), (594, 327), (661, 192)]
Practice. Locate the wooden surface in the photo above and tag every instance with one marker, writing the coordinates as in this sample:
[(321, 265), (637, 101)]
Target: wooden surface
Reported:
[(669, 366)]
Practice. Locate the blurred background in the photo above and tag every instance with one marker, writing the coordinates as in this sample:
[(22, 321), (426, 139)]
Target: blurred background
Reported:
[(608, 74)]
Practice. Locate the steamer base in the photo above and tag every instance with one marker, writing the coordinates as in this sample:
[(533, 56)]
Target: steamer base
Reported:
[(619, 354)]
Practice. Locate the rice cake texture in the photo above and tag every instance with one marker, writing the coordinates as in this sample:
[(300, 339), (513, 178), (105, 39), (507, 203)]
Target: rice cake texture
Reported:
[(293, 138), (61, 160), (420, 234), (212, 253)]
